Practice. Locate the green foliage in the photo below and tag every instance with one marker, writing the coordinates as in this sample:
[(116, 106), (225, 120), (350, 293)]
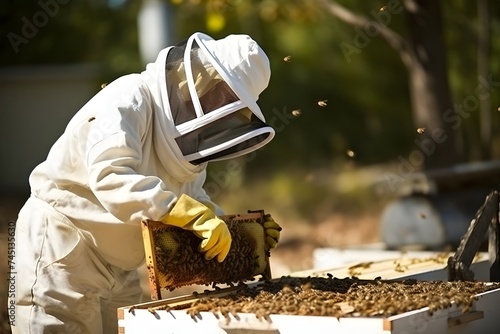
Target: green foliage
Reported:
[(367, 101), (302, 195), (61, 32), (367, 109)]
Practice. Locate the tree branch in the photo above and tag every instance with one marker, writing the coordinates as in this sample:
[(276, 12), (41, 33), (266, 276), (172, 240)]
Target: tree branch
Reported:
[(393, 39)]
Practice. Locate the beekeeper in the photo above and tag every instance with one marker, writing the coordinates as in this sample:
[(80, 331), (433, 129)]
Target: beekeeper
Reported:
[(137, 150)]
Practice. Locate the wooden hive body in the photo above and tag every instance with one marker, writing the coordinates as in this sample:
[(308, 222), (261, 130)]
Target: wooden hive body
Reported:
[(175, 314)]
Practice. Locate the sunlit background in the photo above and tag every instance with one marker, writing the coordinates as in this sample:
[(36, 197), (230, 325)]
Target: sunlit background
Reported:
[(386, 113)]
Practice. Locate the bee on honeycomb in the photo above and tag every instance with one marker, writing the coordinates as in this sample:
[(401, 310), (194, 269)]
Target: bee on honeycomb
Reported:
[(180, 263)]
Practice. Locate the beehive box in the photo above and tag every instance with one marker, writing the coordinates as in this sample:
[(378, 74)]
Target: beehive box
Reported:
[(424, 265), (325, 305), (173, 259), (472, 311)]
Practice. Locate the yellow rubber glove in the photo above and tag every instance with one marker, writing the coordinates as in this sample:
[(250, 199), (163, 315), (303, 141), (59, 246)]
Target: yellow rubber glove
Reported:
[(272, 230), (192, 215)]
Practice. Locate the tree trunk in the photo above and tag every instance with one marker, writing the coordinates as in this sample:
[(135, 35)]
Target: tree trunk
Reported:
[(429, 87), (483, 59)]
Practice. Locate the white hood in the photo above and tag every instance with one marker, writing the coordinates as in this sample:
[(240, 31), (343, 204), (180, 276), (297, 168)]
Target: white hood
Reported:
[(189, 81), (167, 149)]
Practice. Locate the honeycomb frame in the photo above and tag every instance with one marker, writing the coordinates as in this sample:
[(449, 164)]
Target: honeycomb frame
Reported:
[(152, 261)]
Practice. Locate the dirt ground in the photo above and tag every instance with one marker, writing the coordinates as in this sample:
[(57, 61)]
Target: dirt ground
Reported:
[(294, 252)]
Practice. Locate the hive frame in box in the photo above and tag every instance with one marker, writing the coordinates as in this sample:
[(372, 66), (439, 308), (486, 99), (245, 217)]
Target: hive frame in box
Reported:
[(148, 227)]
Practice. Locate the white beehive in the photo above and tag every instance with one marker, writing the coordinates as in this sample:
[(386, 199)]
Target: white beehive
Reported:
[(481, 317)]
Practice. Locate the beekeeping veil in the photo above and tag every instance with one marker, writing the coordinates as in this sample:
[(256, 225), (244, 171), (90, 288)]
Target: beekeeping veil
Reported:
[(212, 88)]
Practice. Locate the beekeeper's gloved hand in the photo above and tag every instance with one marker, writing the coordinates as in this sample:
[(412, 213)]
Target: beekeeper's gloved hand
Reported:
[(272, 230), (192, 215)]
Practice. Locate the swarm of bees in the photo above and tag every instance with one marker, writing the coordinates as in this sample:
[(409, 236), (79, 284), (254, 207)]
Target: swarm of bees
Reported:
[(347, 297)]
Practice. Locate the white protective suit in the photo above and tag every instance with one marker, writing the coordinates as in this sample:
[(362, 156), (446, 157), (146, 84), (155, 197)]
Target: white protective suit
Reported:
[(126, 156)]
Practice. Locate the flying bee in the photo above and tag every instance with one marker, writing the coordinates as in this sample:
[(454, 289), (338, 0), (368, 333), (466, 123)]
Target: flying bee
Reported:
[(383, 9), (422, 215), (104, 85), (420, 130), (322, 103), (287, 59), (350, 153), (296, 112), (91, 119)]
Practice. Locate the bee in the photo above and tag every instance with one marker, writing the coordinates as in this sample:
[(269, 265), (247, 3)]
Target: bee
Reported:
[(383, 9), (422, 215), (287, 59), (234, 313), (400, 268), (350, 153), (216, 314), (104, 85), (420, 130), (307, 286), (322, 103), (296, 112), (91, 119)]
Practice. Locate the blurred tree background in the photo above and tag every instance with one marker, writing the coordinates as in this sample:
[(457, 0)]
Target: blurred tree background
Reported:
[(339, 96), (357, 86)]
